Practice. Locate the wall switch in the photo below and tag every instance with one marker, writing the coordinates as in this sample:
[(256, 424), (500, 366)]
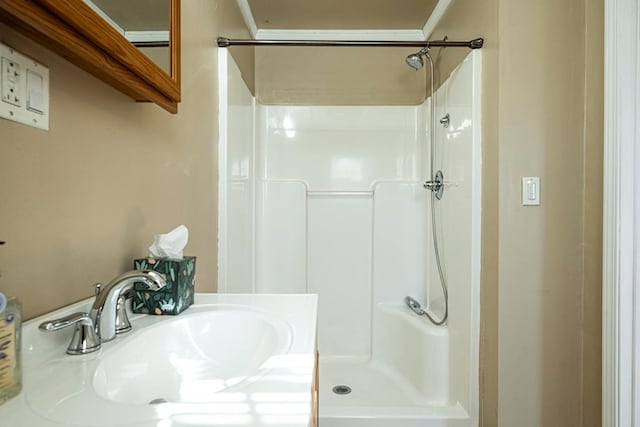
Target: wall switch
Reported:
[(530, 190), (35, 95), (24, 89)]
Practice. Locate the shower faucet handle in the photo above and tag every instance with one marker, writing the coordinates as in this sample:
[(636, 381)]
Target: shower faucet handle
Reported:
[(436, 185)]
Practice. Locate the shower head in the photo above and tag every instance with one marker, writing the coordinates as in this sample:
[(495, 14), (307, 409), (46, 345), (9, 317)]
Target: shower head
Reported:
[(415, 60)]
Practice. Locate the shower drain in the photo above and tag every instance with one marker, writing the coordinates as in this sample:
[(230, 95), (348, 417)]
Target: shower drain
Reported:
[(342, 389), (158, 401)]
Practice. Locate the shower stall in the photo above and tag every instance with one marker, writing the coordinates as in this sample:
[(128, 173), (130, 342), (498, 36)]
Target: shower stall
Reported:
[(332, 200)]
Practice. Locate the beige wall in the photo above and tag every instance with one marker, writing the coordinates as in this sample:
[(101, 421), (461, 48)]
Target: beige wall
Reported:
[(540, 358), (593, 174), (232, 26), (161, 56), (244, 57), (541, 279), (337, 76), (81, 201)]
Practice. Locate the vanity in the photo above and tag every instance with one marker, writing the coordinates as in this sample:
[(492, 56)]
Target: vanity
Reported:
[(228, 360)]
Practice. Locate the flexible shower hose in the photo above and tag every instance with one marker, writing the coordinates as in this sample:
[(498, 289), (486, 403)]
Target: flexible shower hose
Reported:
[(443, 282), (433, 207)]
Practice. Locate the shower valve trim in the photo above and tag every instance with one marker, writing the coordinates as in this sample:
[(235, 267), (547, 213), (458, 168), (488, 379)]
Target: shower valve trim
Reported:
[(436, 185)]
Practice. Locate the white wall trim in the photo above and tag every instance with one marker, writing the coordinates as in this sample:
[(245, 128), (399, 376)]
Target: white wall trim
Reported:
[(223, 95), (621, 228), (366, 35), (247, 15), (147, 36), (254, 187), (435, 17), (476, 236)]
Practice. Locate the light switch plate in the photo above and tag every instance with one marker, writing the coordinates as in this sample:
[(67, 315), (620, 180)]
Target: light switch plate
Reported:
[(24, 90), (35, 92), (530, 190)]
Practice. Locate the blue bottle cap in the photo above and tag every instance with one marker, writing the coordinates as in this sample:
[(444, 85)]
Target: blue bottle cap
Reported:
[(3, 302)]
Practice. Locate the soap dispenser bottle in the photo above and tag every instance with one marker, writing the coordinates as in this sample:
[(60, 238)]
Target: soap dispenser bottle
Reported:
[(10, 354)]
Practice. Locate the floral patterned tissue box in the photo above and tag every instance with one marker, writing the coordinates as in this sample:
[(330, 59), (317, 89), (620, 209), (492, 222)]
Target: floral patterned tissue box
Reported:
[(176, 296)]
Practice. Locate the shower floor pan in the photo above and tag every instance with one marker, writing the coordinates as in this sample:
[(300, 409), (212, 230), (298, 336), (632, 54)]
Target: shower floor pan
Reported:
[(378, 398)]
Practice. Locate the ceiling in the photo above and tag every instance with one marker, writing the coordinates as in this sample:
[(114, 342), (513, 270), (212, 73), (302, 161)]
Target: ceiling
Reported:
[(341, 14), (407, 18)]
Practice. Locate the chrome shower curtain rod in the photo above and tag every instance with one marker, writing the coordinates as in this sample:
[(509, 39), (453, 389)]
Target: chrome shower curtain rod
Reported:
[(471, 44)]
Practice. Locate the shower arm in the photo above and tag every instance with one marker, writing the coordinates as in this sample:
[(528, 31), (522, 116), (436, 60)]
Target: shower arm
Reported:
[(471, 44)]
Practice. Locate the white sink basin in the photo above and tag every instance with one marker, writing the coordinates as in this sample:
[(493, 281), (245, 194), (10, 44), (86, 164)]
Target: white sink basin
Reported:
[(229, 360), (192, 357)]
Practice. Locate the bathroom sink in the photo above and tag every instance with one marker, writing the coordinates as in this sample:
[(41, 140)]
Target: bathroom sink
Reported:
[(228, 360), (192, 357)]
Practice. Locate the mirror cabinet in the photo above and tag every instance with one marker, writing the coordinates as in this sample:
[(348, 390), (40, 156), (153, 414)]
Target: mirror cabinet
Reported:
[(84, 33)]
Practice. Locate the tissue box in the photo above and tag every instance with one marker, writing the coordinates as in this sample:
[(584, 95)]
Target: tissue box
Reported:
[(176, 296)]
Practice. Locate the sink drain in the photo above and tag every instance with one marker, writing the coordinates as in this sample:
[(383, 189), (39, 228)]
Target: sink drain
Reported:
[(158, 401), (342, 389)]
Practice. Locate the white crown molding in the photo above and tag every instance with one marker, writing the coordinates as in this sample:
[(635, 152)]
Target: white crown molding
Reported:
[(435, 17), (147, 36), (365, 35), (247, 15)]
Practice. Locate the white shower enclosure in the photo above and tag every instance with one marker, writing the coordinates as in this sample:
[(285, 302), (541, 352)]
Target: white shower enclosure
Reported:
[(329, 200)]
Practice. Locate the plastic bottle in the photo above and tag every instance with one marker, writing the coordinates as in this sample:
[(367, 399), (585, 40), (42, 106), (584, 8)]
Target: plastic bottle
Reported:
[(10, 347)]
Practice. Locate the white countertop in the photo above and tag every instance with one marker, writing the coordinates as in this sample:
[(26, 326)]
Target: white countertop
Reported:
[(58, 388)]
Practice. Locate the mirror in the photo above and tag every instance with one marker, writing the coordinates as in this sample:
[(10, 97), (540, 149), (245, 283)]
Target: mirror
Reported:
[(84, 19), (84, 36), (145, 23)]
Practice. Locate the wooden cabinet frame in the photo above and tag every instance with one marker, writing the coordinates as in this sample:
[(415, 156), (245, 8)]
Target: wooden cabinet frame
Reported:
[(74, 31)]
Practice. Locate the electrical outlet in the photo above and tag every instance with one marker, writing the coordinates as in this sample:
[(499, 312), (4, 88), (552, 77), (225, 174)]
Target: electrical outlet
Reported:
[(24, 89), (11, 82)]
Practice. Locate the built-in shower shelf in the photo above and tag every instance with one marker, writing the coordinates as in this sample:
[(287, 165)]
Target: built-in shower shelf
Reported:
[(329, 193)]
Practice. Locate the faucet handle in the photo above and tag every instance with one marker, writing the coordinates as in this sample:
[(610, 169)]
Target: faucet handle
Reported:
[(84, 338)]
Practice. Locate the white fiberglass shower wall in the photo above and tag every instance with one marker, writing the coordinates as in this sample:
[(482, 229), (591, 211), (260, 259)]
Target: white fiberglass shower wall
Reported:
[(329, 200)]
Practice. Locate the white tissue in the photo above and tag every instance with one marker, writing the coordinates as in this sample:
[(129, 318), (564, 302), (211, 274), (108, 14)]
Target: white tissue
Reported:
[(170, 245)]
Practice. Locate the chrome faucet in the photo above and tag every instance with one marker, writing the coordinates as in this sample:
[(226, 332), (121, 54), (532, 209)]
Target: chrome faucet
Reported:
[(110, 300), (108, 315)]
